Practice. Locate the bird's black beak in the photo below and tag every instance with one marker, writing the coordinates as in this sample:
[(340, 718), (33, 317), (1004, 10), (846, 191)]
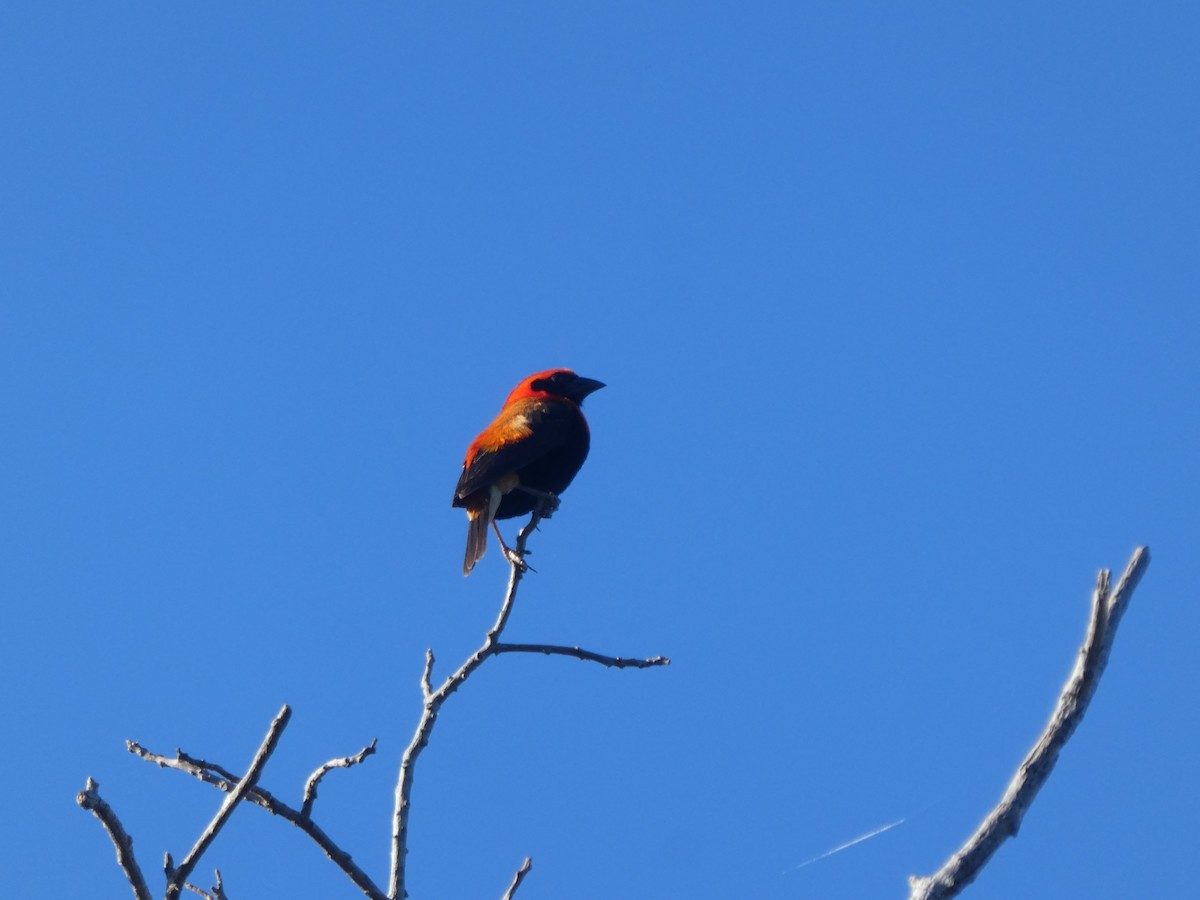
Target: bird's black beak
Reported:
[(581, 387)]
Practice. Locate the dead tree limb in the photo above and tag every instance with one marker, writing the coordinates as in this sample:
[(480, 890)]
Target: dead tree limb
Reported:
[(1108, 606), (342, 762), (216, 892), (612, 662), (89, 798), (220, 778), (178, 876), (518, 878), (434, 699), (246, 787)]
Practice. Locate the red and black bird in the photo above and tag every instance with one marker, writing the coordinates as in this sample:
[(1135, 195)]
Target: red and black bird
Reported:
[(529, 453)]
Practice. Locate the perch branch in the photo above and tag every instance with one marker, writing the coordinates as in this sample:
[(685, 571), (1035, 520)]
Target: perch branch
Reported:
[(429, 713), (434, 699), (1108, 606), (518, 878), (89, 798), (207, 772), (176, 877)]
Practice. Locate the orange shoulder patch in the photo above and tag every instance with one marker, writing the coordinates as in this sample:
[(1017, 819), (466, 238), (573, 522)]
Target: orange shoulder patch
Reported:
[(512, 425)]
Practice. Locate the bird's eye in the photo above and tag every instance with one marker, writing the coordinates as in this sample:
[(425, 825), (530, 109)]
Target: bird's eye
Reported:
[(555, 382)]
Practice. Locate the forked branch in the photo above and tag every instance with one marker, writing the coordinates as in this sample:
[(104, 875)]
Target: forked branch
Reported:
[(246, 787), (1108, 606), (178, 876), (220, 778), (434, 698), (216, 892)]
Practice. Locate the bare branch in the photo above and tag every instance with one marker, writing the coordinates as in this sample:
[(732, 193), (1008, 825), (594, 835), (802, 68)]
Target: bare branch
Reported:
[(435, 698), (218, 888), (246, 788), (426, 683), (177, 877), (209, 773), (89, 798), (262, 797), (615, 662), (1004, 821), (433, 704), (213, 767), (344, 762), (518, 878)]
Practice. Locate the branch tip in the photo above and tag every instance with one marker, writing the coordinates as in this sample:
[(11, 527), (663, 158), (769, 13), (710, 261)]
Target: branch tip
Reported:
[(518, 878), (342, 762), (1004, 820), (89, 799)]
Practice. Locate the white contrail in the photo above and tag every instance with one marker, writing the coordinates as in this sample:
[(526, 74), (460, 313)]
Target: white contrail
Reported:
[(847, 845)]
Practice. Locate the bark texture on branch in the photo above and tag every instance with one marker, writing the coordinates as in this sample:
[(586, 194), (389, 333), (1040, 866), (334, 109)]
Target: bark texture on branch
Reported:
[(1003, 822), (89, 798), (178, 876), (434, 698), (246, 787)]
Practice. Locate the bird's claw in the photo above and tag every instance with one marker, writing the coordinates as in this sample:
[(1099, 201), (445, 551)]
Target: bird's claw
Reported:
[(516, 560), (548, 506)]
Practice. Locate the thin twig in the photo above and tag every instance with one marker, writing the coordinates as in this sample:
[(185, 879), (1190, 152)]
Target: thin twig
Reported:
[(434, 699), (615, 662), (209, 773), (429, 713), (426, 683), (212, 767), (343, 762), (518, 878), (1004, 821), (89, 798), (218, 888), (264, 798), (177, 877)]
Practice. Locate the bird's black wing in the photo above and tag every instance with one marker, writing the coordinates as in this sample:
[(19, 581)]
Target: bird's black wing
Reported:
[(522, 435)]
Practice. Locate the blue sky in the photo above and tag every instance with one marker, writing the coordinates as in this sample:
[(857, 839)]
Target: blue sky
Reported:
[(898, 309)]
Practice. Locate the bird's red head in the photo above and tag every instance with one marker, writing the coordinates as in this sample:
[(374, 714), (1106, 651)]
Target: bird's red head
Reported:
[(560, 383)]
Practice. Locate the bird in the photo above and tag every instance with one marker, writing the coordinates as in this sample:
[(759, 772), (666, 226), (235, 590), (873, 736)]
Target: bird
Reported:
[(525, 458)]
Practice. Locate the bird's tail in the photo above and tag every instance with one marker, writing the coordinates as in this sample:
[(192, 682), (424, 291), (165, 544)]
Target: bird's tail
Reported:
[(477, 537)]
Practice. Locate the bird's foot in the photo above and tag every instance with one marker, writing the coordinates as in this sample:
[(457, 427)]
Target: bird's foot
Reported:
[(517, 561), (547, 506), (547, 503)]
